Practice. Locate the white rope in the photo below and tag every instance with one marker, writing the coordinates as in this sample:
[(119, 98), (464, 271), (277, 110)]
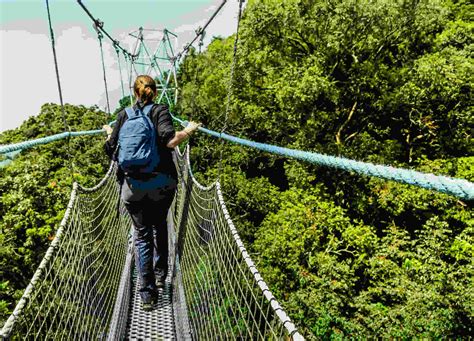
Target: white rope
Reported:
[(226, 297), (73, 292)]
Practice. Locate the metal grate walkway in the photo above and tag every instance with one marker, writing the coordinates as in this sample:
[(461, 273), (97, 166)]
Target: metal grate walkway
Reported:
[(151, 325), (163, 323)]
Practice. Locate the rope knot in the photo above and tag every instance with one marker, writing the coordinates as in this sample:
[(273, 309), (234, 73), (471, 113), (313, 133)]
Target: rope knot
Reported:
[(98, 25)]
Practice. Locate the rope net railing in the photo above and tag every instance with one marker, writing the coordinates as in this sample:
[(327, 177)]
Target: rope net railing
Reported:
[(74, 291), (225, 296)]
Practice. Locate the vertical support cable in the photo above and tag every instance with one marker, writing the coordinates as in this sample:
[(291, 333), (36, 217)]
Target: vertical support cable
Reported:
[(230, 90), (63, 111), (130, 77), (141, 48), (120, 69), (100, 36), (174, 61), (176, 89), (193, 98)]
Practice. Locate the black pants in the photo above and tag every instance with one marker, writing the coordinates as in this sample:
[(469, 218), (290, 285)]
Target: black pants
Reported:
[(148, 209)]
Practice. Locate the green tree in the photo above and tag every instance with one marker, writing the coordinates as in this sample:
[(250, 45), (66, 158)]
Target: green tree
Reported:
[(379, 81), (35, 187)]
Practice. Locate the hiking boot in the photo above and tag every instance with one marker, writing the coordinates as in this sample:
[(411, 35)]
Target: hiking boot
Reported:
[(149, 306), (160, 280), (160, 276)]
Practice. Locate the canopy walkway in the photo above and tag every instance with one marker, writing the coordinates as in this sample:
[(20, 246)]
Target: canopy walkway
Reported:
[(86, 288)]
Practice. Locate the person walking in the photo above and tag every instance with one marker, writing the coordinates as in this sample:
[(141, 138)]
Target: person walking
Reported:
[(142, 142)]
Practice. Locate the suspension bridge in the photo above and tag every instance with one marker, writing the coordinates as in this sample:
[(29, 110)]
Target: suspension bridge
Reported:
[(86, 285)]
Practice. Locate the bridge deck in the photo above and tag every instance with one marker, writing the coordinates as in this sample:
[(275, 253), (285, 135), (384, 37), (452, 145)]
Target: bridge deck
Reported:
[(169, 320), (153, 325)]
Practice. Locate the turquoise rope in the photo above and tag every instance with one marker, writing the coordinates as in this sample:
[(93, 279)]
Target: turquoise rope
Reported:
[(8, 158), (459, 188), (28, 144), (32, 143), (5, 163)]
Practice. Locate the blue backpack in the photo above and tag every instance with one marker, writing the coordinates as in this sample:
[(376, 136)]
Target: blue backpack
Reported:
[(137, 149)]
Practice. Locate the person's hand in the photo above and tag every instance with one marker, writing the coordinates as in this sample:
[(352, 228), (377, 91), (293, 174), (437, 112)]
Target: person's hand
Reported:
[(108, 129), (191, 127)]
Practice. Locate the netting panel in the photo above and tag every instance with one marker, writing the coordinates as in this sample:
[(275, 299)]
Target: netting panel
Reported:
[(73, 293), (225, 296), (82, 285)]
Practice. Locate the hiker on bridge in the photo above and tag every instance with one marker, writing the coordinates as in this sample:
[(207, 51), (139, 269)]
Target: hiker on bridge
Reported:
[(142, 142)]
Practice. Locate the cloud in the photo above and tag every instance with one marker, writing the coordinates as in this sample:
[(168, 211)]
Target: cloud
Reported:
[(27, 70), (81, 68), (27, 67), (224, 24), (27, 75)]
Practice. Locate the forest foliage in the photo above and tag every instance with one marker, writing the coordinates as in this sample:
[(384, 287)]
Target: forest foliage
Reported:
[(383, 81), (35, 189)]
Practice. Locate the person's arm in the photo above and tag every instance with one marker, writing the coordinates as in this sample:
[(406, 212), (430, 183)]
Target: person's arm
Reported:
[(182, 135), (112, 134), (166, 132)]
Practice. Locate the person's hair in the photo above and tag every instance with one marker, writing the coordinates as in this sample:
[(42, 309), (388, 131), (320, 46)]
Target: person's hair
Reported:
[(145, 88)]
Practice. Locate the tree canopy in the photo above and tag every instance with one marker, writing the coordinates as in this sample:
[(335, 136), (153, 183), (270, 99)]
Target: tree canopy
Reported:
[(388, 82), (382, 81), (35, 187)]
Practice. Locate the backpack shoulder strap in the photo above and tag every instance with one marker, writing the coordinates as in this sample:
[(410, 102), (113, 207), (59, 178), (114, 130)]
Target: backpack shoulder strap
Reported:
[(129, 112), (147, 109)]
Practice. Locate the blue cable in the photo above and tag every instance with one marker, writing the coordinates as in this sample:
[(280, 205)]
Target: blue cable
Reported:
[(459, 188), (28, 144)]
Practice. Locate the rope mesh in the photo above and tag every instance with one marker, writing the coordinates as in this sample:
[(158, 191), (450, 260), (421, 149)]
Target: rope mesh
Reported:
[(81, 289), (73, 292), (225, 296)]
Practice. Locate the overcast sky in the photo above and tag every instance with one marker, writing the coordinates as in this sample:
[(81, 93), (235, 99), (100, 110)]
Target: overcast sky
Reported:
[(27, 66)]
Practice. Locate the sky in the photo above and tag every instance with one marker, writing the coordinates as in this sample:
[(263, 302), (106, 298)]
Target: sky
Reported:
[(27, 74)]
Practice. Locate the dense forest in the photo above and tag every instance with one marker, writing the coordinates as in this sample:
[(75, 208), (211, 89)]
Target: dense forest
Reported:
[(383, 81), (388, 82), (35, 189)]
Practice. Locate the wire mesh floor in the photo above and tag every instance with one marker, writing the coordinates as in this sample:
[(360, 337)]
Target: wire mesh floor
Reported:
[(151, 325)]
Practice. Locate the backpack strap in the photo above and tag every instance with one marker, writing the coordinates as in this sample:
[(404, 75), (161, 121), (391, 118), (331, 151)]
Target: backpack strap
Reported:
[(129, 112), (145, 110)]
